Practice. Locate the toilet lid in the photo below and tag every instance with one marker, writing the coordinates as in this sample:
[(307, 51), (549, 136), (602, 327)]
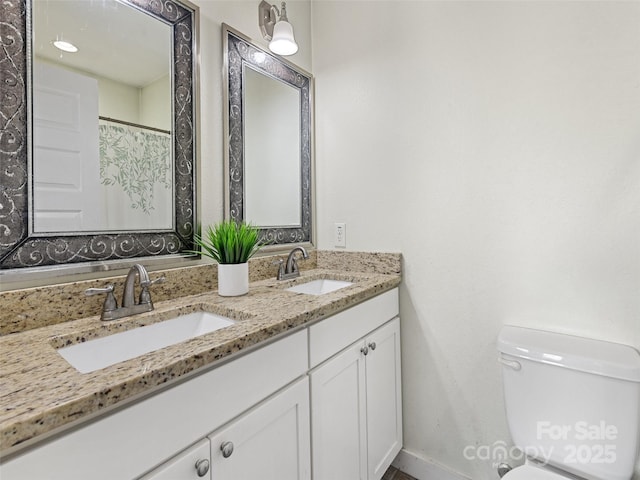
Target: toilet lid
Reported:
[(528, 472)]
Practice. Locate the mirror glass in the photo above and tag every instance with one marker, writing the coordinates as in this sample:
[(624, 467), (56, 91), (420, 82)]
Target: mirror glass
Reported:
[(101, 119), (268, 151), (98, 144), (271, 138)]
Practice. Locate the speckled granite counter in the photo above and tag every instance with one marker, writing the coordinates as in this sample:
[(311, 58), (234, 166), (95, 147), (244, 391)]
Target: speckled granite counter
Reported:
[(41, 393)]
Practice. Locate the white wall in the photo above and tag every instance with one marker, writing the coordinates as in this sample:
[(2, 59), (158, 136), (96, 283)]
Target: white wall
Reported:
[(155, 104), (118, 100), (497, 146)]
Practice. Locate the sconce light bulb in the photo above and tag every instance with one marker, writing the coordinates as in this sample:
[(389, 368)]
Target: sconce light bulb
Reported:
[(283, 41)]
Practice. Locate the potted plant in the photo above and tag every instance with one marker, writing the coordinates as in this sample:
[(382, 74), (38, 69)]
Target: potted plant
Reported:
[(231, 244)]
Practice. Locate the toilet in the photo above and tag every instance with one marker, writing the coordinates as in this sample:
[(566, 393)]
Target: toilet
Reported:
[(572, 404)]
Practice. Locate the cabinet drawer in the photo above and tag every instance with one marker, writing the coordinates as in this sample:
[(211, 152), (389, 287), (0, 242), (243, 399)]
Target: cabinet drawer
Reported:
[(328, 337), (139, 437)]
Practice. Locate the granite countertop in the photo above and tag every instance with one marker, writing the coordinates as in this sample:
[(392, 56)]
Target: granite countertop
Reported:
[(41, 393)]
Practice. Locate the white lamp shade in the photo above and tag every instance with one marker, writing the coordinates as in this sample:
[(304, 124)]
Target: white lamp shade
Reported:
[(283, 42)]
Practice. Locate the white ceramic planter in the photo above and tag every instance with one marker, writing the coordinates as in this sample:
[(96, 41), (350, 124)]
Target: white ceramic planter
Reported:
[(233, 279)]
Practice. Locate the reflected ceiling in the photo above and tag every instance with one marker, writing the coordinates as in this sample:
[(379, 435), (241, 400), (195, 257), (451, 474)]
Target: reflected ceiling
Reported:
[(102, 31)]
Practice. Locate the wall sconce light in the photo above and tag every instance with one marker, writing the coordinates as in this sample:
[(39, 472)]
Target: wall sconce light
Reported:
[(275, 26)]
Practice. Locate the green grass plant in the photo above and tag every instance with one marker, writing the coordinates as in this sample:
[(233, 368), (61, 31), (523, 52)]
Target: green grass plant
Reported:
[(228, 242)]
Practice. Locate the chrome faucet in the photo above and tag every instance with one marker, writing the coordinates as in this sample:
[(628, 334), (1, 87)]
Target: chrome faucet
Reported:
[(290, 268), (110, 309)]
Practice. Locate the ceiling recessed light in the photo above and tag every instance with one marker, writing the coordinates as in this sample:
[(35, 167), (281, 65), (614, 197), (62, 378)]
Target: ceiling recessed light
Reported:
[(65, 46)]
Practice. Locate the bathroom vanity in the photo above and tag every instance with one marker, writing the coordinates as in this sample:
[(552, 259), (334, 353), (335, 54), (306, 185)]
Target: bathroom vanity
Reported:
[(300, 386)]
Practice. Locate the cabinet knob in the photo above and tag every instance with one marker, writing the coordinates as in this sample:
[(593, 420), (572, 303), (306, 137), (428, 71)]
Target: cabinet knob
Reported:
[(202, 467), (364, 350), (227, 449), (372, 345)]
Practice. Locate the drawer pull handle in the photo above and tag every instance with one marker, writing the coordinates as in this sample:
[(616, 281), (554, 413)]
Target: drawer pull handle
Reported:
[(364, 350), (372, 345), (202, 467), (227, 449)]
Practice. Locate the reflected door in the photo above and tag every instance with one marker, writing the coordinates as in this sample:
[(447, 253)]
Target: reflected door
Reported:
[(66, 166)]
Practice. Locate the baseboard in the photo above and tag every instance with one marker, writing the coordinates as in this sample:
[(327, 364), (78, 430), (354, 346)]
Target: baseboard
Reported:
[(423, 468)]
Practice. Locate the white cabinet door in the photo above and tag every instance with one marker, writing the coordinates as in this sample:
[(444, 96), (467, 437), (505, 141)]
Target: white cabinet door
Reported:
[(338, 417), (356, 414), (384, 398), (270, 442), (192, 464)]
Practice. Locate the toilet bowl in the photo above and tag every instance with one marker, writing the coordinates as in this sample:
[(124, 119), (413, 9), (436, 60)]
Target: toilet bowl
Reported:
[(572, 404), (530, 472)]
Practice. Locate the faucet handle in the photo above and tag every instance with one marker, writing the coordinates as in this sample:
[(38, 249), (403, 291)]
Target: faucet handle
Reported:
[(145, 296), (161, 279), (96, 291), (110, 302)]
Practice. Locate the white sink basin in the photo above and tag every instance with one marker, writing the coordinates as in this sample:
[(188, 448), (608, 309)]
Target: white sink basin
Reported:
[(100, 353), (319, 287)]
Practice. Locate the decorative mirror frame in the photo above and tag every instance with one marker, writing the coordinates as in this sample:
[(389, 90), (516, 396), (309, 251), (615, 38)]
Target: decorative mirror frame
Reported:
[(239, 51), (19, 248)]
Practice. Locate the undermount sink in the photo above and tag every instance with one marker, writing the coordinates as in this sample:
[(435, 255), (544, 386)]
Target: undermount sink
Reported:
[(319, 287), (102, 352)]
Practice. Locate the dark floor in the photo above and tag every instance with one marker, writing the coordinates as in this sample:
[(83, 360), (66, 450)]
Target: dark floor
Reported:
[(395, 474)]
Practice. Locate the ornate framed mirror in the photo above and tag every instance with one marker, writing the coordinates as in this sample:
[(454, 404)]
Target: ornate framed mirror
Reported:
[(148, 164), (268, 151)]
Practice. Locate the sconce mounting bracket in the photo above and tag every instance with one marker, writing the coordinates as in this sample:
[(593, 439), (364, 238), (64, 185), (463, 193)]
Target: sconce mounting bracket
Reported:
[(266, 19)]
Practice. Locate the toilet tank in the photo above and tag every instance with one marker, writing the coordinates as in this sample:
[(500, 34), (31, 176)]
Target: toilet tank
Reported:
[(572, 402)]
